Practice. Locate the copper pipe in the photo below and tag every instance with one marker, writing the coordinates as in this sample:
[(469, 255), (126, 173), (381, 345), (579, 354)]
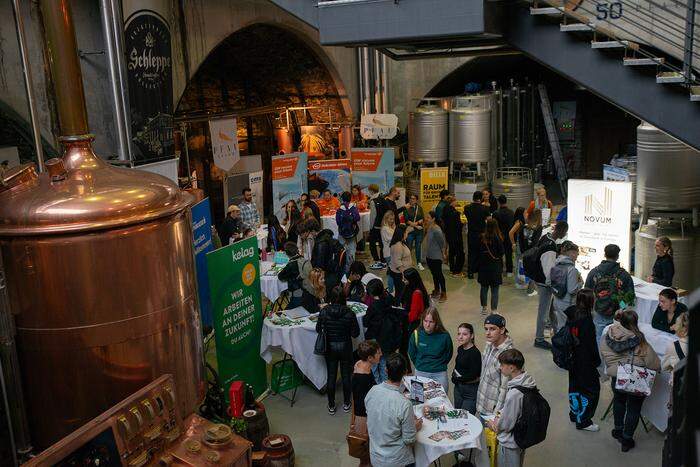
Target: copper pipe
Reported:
[(65, 68)]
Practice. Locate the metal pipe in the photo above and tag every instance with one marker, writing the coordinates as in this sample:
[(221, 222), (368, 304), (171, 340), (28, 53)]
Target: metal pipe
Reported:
[(688, 46), (65, 68), (118, 29), (115, 84), (28, 85), (377, 81), (383, 62), (367, 82), (361, 80)]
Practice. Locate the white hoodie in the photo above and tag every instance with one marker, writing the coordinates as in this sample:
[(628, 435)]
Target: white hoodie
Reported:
[(512, 408)]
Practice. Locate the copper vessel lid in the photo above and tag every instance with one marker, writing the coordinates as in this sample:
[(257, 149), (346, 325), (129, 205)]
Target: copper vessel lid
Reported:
[(85, 193)]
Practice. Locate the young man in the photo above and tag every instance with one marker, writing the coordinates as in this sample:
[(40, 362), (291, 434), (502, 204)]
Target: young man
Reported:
[(391, 422), (609, 270), (565, 278), (328, 204), (493, 386), (547, 246), (511, 363), (249, 211), (348, 217), (322, 258), (440, 206), (379, 206), (506, 219), (413, 215), (476, 214)]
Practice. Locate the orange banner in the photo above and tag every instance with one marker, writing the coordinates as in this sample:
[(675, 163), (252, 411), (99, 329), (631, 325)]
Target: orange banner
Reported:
[(284, 167), (366, 161)]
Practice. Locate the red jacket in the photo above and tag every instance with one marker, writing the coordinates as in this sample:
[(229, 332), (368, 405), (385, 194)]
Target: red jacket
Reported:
[(417, 306)]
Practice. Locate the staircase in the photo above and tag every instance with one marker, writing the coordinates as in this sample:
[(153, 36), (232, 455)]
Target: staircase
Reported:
[(656, 87)]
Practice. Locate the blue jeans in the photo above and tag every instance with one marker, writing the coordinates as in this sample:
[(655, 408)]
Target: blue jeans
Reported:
[(417, 237), (600, 322), (379, 370)]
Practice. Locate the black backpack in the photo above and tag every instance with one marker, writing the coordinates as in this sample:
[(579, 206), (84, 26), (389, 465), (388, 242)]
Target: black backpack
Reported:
[(347, 227), (531, 427), (531, 259), (563, 345), (394, 321), (336, 262)]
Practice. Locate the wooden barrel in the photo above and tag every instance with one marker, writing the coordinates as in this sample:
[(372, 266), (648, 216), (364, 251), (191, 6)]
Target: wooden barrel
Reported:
[(260, 459), (279, 450), (258, 426)]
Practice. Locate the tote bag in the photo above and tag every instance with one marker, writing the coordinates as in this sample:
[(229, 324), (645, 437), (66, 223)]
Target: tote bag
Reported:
[(633, 379)]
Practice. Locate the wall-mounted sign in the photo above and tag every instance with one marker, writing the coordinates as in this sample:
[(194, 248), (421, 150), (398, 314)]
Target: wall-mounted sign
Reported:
[(378, 126), (224, 142)]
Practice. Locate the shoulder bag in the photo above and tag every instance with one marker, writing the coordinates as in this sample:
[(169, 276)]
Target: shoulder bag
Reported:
[(634, 380), (358, 443), (321, 345)]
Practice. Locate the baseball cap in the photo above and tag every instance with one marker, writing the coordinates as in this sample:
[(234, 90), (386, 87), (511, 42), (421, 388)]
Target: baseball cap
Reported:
[(496, 320), (232, 208)]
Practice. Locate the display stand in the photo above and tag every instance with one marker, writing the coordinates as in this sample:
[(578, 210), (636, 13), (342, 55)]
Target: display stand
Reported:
[(284, 381)]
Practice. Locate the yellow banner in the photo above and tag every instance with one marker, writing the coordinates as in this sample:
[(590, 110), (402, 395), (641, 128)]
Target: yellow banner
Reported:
[(432, 182)]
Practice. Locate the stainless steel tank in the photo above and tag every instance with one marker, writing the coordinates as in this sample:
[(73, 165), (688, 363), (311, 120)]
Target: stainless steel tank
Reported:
[(668, 171), (470, 129), (427, 132), (686, 250), (516, 184)]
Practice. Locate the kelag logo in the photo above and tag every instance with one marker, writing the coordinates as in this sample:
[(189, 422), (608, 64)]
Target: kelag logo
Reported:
[(597, 211)]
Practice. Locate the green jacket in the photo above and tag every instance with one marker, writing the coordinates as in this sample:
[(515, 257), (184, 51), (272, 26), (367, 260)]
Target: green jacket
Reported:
[(430, 352)]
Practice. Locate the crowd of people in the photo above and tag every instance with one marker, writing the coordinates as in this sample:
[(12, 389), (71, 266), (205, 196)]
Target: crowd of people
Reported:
[(404, 333)]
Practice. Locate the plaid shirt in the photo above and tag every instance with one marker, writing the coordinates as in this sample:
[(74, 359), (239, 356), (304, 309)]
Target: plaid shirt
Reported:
[(493, 386), (249, 214)]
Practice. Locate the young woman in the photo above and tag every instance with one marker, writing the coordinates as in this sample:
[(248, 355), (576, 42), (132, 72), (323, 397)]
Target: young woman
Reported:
[(584, 380), (359, 198), (340, 324), (387, 233), (276, 236), (414, 300), (624, 343), (529, 236), (369, 355), (668, 311), (452, 222), (317, 279), (291, 221), (490, 264), (400, 258), (430, 348), (306, 202), (677, 351), (384, 324), (662, 272), (435, 251), (353, 287), (467, 370), (514, 236)]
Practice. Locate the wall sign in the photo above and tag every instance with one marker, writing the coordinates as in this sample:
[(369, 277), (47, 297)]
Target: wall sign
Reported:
[(432, 182), (224, 142), (150, 79)]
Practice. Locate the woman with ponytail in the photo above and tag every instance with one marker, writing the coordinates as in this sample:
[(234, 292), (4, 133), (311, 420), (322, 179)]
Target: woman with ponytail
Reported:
[(662, 272)]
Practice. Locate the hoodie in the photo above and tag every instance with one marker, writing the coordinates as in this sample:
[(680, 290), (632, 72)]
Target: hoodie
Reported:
[(619, 344), (340, 213), (574, 282), (430, 352), (512, 408), (322, 253), (387, 334), (607, 268)]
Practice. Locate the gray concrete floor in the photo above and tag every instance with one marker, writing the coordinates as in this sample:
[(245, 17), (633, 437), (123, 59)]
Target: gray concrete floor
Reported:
[(319, 439)]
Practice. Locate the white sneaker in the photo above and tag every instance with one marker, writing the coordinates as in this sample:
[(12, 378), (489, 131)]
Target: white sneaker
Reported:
[(592, 427), (420, 267), (532, 294)]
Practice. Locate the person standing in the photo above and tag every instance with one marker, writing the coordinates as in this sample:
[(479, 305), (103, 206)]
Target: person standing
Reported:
[(467, 371), (530, 234), (492, 385), (348, 217), (435, 252), (514, 238), (506, 219), (374, 238), (384, 324), (668, 311), (584, 380), (490, 265), (624, 343), (387, 233), (430, 348), (297, 274), (440, 206), (454, 228), (323, 257), (382, 205), (663, 270), (476, 214), (489, 200), (359, 198), (276, 236), (613, 287), (308, 230), (566, 281), (391, 422), (291, 221), (249, 211), (362, 381), (305, 202), (414, 300), (413, 215), (400, 258), (339, 323), (540, 202)]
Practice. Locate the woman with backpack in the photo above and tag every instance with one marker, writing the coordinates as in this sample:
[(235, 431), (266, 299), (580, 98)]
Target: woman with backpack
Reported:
[(384, 323), (584, 380), (339, 323), (525, 234), (663, 270), (566, 281), (490, 264), (624, 343), (400, 258), (435, 251), (414, 300), (430, 348), (348, 217), (297, 274)]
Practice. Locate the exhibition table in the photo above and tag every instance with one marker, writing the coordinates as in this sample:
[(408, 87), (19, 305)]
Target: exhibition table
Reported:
[(294, 331), (270, 286), (328, 222), (647, 296)]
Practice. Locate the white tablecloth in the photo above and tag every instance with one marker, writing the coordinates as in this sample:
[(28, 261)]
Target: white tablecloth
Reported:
[(328, 222), (298, 341), (262, 236), (270, 286), (648, 298)]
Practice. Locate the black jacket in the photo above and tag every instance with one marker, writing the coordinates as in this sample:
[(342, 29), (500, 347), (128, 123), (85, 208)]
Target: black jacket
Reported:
[(663, 270), (490, 263), (506, 219), (660, 321), (453, 226), (322, 253), (381, 206), (584, 372), (476, 214), (229, 227), (340, 324), (374, 322)]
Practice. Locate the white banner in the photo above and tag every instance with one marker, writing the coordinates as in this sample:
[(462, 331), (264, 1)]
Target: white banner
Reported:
[(255, 182), (224, 142), (599, 213)]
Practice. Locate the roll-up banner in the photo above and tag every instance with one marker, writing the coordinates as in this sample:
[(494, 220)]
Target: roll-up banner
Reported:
[(432, 182), (599, 213), (203, 244), (333, 174), (373, 166), (289, 175)]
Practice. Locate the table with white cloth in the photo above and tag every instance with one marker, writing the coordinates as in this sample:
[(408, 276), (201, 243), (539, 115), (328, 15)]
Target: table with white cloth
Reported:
[(261, 233), (655, 407), (328, 222), (270, 285), (647, 296), (297, 337), (427, 449)]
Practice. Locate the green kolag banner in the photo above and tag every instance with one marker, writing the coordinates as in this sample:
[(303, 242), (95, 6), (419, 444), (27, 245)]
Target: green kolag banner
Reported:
[(234, 284)]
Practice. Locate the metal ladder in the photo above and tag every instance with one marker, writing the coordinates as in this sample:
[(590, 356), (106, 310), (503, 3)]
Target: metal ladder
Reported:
[(553, 138)]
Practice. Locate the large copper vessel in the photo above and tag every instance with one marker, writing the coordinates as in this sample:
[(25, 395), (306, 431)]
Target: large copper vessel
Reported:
[(100, 271)]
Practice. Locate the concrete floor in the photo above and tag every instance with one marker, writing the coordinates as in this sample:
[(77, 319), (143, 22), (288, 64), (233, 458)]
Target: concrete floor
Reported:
[(319, 439)]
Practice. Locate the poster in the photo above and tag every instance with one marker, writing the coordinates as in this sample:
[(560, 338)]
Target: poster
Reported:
[(224, 143), (333, 174), (599, 213), (203, 244), (149, 73), (373, 166), (617, 174), (432, 182), (234, 284), (288, 180)]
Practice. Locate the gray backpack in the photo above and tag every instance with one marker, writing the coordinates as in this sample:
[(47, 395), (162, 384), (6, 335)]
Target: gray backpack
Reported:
[(557, 278)]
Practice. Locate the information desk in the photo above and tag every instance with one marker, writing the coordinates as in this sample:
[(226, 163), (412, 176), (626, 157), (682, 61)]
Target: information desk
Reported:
[(647, 295), (270, 285)]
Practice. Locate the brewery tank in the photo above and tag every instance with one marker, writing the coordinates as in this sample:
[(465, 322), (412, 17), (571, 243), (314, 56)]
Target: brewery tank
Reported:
[(427, 132), (516, 184), (686, 250), (668, 171), (470, 129), (99, 267)]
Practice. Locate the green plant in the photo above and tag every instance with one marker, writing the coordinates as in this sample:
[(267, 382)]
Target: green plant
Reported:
[(239, 426)]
